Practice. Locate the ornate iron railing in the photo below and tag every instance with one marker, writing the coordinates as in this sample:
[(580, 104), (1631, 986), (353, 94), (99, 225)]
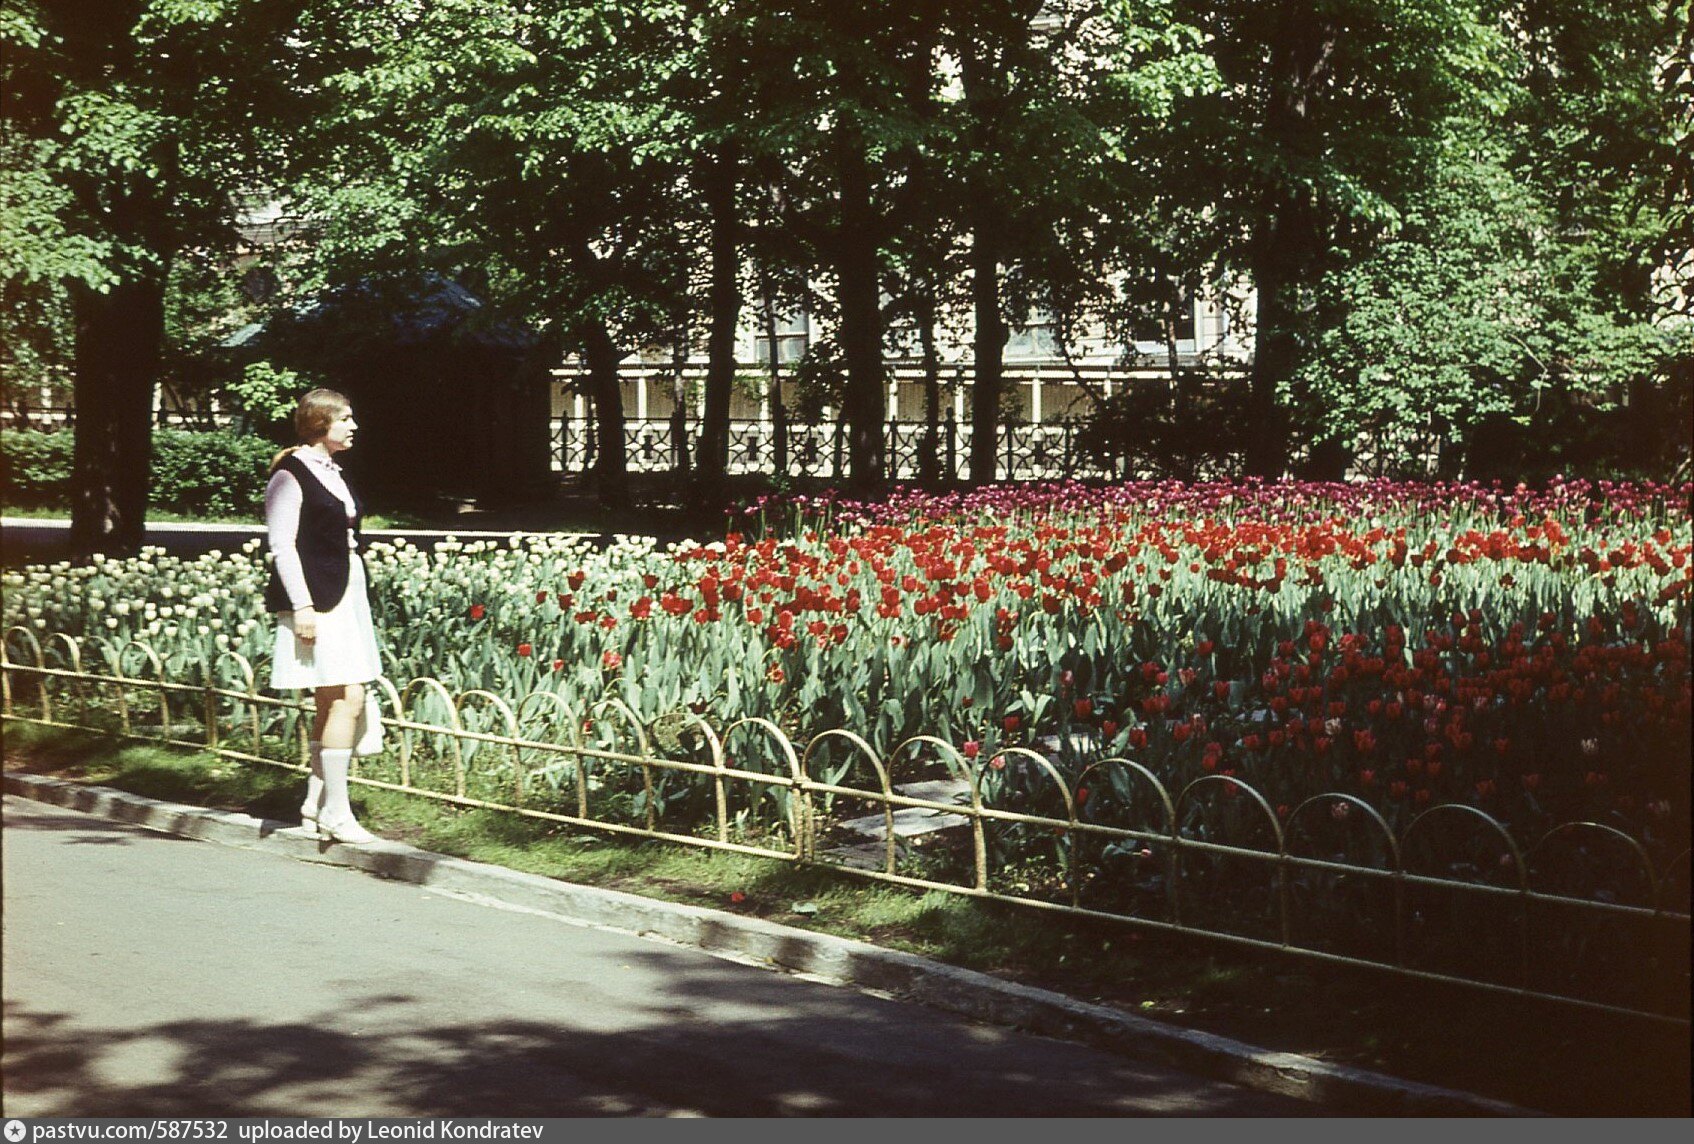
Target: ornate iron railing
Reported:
[(1049, 451), (1582, 916)]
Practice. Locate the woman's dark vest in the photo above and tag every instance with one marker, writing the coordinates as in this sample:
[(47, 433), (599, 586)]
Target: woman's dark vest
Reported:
[(321, 541)]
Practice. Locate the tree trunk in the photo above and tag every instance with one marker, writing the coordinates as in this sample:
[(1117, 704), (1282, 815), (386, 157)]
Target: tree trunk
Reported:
[(982, 97), (779, 411), (929, 457), (611, 472), (988, 347), (1275, 352), (1329, 460), (679, 407), (1288, 242), (119, 338), (724, 300), (861, 316)]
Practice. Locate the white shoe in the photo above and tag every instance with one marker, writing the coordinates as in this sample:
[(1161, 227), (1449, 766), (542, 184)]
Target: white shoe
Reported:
[(347, 830)]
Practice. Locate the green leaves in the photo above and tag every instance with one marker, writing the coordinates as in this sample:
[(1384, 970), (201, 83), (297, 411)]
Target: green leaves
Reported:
[(36, 246)]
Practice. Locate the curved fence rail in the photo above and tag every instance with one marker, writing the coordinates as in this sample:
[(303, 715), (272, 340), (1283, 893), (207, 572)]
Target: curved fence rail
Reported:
[(1582, 915)]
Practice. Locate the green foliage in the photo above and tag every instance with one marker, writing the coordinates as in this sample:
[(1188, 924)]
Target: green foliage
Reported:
[(266, 392), (34, 244), (1460, 217), (35, 467), (217, 474), (1519, 312), (519, 143), (133, 129)]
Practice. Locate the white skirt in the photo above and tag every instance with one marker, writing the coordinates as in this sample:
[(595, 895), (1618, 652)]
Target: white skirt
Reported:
[(345, 650)]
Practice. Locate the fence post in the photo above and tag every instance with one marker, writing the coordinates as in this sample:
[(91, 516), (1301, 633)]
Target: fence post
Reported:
[(211, 713)]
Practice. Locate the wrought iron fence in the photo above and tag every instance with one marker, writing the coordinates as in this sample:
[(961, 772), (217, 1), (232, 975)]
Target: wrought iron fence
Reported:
[(1047, 451), (1581, 916)]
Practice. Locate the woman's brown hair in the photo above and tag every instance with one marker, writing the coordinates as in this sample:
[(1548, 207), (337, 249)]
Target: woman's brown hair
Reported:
[(317, 411)]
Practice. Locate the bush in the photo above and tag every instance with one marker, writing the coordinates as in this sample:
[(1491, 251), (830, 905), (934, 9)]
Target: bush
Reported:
[(35, 467), (218, 473), (213, 474)]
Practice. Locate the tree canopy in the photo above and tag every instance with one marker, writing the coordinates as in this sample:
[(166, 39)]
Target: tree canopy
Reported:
[(1453, 225)]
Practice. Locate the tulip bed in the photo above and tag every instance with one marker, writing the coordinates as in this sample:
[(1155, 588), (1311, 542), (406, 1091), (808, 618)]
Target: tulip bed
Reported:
[(1524, 651)]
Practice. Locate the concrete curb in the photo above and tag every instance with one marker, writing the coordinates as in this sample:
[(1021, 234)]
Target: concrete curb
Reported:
[(839, 960)]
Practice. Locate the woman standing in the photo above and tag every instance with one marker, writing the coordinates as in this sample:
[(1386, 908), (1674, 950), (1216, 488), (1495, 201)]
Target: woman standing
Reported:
[(324, 637)]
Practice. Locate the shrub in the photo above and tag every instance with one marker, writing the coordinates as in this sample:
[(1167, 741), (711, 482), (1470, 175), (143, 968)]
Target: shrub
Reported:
[(35, 467), (217, 474)]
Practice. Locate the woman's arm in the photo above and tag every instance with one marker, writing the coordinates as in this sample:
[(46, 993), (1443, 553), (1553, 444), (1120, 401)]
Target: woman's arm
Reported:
[(282, 521)]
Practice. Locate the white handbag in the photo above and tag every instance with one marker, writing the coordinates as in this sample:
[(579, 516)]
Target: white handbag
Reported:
[(368, 740)]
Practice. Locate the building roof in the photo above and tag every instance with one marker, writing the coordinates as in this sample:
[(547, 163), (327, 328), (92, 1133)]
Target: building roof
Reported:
[(422, 312)]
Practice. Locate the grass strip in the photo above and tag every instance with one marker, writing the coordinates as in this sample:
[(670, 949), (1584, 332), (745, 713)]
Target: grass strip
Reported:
[(1536, 1054)]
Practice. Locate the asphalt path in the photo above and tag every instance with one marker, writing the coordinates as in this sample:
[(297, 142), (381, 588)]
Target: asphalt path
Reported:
[(151, 975)]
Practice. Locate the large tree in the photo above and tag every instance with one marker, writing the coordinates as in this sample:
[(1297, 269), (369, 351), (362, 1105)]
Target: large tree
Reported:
[(521, 145), (1523, 312), (870, 121), (131, 126), (1329, 115), (1057, 108)]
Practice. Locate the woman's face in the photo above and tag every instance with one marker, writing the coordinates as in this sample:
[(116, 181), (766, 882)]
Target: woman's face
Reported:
[(340, 434)]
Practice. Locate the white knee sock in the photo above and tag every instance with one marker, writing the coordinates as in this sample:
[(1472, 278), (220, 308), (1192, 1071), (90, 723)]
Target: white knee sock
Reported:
[(336, 807), (315, 784)]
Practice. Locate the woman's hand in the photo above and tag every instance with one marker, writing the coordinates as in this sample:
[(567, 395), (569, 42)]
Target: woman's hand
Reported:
[(305, 624)]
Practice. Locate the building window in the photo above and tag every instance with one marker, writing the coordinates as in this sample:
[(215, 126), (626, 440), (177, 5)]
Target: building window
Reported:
[(1034, 340), (1150, 335), (793, 335)]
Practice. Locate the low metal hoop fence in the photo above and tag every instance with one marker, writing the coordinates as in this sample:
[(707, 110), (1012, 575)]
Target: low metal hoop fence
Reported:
[(1581, 916)]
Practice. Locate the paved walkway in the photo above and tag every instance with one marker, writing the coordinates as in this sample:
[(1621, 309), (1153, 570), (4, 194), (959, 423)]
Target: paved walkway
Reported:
[(151, 975)]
